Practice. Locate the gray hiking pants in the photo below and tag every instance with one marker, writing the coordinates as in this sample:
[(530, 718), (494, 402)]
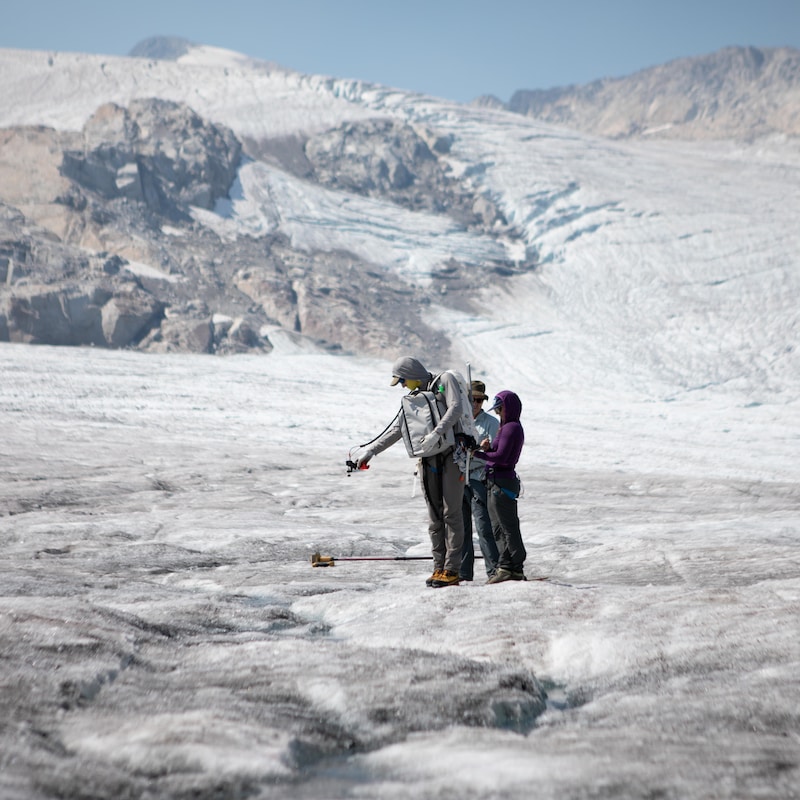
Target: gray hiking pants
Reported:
[(443, 485)]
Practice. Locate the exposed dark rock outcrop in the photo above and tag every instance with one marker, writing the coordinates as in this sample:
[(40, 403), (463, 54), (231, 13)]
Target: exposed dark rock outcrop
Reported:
[(155, 152), (165, 282), (55, 294), (392, 161), (82, 314)]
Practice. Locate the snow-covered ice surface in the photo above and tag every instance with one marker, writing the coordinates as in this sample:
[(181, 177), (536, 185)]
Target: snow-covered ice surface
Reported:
[(162, 631)]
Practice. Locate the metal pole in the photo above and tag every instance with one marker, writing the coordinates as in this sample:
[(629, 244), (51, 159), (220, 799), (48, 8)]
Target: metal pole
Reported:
[(328, 561), (471, 411)]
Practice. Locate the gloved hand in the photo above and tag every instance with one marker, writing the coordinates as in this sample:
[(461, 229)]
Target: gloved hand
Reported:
[(466, 441), (428, 441), (364, 458)]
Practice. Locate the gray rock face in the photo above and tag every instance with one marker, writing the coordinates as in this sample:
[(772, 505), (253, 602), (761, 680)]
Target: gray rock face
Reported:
[(385, 159), (82, 314), (737, 92), (127, 315), (156, 152), (136, 169), (53, 294)]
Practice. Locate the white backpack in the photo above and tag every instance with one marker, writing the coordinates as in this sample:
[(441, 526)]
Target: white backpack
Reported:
[(420, 413)]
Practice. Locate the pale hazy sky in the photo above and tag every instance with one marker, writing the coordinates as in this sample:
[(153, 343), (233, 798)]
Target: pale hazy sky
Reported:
[(456, 50)]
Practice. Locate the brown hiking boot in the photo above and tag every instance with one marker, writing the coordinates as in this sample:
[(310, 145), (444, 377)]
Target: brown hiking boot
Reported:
[(434, 577), (445, 578)]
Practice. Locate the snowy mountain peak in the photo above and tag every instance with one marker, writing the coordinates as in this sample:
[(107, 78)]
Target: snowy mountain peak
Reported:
[(172, 48), (165, 48)]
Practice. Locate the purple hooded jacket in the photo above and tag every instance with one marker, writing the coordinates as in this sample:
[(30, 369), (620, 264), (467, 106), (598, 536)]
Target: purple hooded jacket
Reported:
[(502, 456)]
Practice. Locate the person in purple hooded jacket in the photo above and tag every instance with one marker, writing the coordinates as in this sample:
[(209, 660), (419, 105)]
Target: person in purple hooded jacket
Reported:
[(503, 487)]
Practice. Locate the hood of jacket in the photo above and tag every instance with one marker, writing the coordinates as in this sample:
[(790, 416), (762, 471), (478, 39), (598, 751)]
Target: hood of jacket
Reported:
[(411, 369), (511, 403)]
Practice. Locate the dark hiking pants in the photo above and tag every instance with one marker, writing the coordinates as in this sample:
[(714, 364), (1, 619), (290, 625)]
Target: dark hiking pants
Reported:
[(474, 509), (502, 503)]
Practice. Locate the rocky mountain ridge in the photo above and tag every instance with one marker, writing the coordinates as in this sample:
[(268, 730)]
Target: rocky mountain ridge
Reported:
[(134, 173), (736, 92)]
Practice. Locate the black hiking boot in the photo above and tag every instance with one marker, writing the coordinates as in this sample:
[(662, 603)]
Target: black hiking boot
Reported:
[(504, 574)]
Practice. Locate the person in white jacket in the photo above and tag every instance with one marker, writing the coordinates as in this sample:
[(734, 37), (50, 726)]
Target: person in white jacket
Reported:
[(442, 479)]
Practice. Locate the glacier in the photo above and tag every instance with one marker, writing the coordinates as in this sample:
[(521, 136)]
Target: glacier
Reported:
[(163, 631)]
